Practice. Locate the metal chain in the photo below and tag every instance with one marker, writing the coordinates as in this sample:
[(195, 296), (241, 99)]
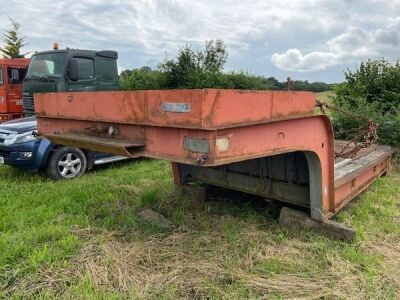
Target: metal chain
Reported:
[(364, 137)]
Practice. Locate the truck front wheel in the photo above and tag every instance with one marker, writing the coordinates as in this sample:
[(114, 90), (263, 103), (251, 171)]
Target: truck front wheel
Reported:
[(66, 163)]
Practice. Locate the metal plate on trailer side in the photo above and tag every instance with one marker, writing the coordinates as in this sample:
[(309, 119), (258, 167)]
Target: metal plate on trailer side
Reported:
[(175, 107), (196, 145)]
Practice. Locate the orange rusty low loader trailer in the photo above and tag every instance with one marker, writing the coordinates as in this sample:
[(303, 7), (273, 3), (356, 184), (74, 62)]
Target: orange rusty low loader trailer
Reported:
[(267, 143)]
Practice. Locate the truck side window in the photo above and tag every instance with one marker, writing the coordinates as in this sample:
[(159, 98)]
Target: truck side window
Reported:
[(106, 69), (85, 68), (1, 76), (16, 78)]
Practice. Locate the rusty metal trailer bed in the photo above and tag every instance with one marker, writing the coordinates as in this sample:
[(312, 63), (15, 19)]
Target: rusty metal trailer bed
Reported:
[(268, 143)]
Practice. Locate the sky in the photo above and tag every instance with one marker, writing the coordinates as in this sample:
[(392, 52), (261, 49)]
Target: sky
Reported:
[(304, 39)]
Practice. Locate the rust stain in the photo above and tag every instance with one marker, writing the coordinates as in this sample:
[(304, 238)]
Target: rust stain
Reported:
[(209, 118)]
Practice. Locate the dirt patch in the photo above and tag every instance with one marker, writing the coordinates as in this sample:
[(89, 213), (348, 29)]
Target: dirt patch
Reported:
[(148, 266)]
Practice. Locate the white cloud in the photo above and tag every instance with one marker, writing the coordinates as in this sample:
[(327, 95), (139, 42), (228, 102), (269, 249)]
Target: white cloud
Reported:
[(291, 32), (353, 45), (294, 60), (166, 24)]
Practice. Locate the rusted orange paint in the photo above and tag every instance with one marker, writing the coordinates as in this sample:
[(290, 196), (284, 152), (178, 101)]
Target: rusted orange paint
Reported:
[(354, 184), (209, 108), (254, 124)]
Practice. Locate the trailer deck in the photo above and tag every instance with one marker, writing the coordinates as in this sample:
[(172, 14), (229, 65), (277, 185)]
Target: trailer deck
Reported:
[(268, 143)]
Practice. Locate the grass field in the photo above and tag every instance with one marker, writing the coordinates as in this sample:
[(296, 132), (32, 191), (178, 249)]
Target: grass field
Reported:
[(82, 239), (325, 96)]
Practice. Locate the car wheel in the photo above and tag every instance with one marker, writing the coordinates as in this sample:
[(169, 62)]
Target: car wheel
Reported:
[(66, 163)]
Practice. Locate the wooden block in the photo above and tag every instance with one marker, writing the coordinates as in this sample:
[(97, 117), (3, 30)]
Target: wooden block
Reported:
[(156, 218), (196, 192), (294, 218)]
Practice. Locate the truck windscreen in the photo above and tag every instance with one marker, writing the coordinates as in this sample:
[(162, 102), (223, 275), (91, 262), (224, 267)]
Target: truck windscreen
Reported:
[(47, 64)]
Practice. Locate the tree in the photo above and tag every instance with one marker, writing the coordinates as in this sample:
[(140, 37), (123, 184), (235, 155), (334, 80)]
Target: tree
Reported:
[(181, 70), (191, 68), (375, 81), (13, 43), (214, 57)]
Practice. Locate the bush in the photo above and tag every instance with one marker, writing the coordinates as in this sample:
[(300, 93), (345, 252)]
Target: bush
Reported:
[(389, 124), (372, 90), (143, 79)]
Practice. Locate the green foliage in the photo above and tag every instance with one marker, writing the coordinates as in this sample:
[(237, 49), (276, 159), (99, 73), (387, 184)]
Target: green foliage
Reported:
[(377, 82), (13, 43), (143, 79), (204, 69), (139, 79), (194, 68), (372, 90), (243, 80), (214, 57), (316, 87), (389, 124)]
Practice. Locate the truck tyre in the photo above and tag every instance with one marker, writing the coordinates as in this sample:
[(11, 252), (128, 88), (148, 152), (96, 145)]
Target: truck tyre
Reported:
[(66, 163)]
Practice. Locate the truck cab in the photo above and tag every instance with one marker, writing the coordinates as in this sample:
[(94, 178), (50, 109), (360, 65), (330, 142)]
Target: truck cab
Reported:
[(69, 70), (12, 73)]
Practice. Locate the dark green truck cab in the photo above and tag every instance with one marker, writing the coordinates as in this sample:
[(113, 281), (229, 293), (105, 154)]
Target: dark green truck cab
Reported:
[(69, 70)]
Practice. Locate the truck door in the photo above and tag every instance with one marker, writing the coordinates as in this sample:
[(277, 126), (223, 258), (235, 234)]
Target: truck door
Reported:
[(14, 92)]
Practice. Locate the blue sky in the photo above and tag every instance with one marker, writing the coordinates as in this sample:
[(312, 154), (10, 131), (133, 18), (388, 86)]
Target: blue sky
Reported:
[(313, 40)]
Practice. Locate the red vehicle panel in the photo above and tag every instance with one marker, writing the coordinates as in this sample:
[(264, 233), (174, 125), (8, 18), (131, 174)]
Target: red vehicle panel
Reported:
[(11, 87)]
